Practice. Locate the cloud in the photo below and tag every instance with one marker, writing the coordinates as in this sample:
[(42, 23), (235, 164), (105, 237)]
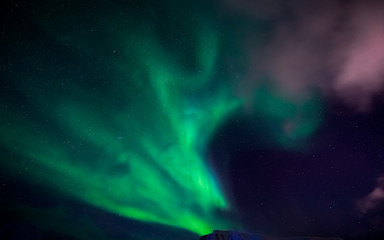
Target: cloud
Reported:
[(361, 74), (333, 46), (373, 200)]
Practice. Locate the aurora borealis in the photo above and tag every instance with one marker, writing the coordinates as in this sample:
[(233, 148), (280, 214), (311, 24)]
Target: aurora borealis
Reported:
[(141, 153), (122, 107)]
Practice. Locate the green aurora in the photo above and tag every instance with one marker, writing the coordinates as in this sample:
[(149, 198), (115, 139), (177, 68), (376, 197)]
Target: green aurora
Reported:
[(118, 111)]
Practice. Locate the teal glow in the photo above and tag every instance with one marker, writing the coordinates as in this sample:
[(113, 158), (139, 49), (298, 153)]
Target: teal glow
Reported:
[(292, 120)]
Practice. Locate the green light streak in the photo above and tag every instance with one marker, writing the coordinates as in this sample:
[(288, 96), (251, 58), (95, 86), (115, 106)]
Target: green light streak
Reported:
[(143, 159), (121, 123)]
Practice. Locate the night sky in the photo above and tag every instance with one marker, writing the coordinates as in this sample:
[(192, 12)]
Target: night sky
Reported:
[(168, 119)]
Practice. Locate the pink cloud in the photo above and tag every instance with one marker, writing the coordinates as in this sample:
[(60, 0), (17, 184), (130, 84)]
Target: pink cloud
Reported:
[(361, 75), (327, 45), (374, 199)]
